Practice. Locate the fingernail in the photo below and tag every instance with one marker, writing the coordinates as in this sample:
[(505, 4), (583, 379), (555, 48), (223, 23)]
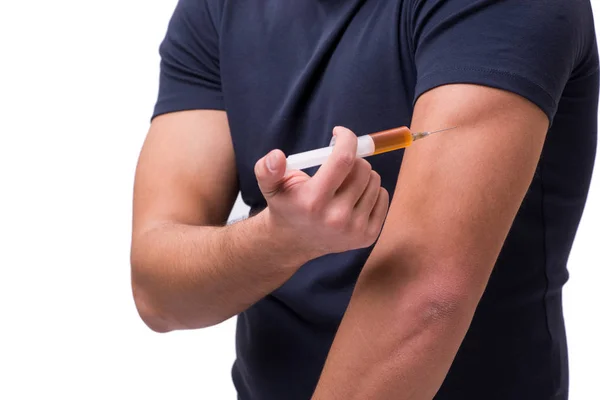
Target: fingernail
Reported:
[(332, 142), (271, 162), (336, 130)]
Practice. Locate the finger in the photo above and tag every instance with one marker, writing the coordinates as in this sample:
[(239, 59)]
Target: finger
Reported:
[(369, 197), (338, 165), (379, 213), (269, 172), (353, 188)]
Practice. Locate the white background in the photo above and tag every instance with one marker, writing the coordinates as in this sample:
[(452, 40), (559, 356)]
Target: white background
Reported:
[(78, 81)]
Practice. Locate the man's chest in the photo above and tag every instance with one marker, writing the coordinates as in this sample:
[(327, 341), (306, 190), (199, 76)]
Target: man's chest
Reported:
[(289, 75)]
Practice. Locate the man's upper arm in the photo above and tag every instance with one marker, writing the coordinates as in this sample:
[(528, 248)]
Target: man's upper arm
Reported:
[(459, 191), (496, 70), (186, 171)]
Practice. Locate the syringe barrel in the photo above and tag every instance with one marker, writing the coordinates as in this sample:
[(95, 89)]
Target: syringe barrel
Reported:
[(365, 147), (392, 139)]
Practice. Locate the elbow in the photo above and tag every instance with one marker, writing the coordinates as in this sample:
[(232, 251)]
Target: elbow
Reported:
[(149, 313), (146, 300), (160, 309), (432, 294), (164, 322), (442, 308), (156, 324), (166, 307), (146, 296)]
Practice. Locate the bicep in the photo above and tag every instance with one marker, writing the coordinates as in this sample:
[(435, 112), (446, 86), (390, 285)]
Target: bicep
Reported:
[(459, 191), (186, 171)]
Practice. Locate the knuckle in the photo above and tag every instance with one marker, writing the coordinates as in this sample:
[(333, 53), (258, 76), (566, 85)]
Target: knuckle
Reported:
[(386, 196), (363, 165), (376, 177), (346, 159), (359, 224), (373, 232), (367, 240), (345, 134), (311, 204), (338, 219)]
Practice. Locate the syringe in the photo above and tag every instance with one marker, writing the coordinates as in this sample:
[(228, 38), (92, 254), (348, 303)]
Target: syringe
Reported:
[(368, 145)]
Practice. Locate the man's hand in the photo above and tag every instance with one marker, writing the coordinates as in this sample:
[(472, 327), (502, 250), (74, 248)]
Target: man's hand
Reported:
[(188, 270), (342, 207)]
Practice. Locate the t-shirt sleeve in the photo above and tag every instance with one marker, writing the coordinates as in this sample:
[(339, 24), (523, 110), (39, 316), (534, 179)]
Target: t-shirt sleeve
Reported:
[(529, 47), (189, 61)]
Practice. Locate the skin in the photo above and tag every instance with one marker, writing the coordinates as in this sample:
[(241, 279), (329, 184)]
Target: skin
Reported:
[(417, 293), (188, 269)]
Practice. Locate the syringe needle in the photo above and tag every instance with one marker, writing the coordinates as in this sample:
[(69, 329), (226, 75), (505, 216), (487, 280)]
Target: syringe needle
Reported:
[(443, 130), (420, 135)]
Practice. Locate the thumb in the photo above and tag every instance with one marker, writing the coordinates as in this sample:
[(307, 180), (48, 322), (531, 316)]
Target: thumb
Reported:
[(269, 172)]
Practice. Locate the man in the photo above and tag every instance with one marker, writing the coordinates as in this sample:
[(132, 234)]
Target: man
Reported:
[(458, 297)]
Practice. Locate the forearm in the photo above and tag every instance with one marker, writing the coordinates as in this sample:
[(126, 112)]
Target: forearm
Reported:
[(397, 339), (187, 277)]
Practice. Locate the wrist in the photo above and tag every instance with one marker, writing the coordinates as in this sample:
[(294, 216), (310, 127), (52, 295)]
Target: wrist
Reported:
[(284, 240)]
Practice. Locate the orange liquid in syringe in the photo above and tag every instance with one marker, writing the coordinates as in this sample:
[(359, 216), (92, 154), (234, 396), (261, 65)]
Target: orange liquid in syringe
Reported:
[(392, 139)]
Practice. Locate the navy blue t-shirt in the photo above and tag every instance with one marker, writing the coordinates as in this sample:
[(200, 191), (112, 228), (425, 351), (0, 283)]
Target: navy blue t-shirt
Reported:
[(288, 71)]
